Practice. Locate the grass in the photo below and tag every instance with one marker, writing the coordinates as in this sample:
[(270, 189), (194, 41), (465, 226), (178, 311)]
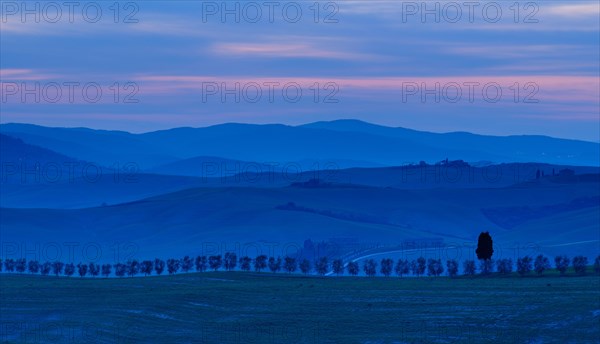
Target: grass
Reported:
[(236, 307)]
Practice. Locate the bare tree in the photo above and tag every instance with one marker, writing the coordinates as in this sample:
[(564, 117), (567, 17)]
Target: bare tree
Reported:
[(504, 266), (215, 262), (562, 263), (452, 267), (353, 268), (370, 267), (45, 268), (469, 267), (9, 265), (402, 267), (541, 264), (289, 264), (57, 268), (120, 269), (524, 265), (230, 261), (133, 267), (106, 270), (172, 266), (580, 264), (245, 263), (305, 266), (94, 269), (146, 267), (69, 269), (21, 265), (322, 266), (338, 266), (201, 263), (82, 269), (186, 264), (159, 266), (434, 267), (387, 266), (260, 263), (275, 264), (33, 266), (486, 266)]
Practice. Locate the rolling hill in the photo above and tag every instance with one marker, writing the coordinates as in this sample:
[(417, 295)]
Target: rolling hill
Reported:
[(339, 141), (187, 221)]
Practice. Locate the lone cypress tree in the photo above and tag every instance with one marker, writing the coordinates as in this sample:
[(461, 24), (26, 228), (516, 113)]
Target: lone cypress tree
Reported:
[(485, 247)]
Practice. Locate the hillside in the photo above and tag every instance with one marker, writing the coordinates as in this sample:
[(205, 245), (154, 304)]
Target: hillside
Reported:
[(183, 222)]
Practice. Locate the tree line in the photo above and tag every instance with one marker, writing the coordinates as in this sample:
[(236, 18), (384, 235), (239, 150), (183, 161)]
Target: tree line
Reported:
[(321, 266)]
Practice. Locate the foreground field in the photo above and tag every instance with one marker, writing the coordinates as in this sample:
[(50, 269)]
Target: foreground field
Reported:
[(233, 307)]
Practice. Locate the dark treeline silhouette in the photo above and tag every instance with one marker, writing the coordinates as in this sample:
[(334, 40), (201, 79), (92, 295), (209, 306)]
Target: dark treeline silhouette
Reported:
[(321, 266)]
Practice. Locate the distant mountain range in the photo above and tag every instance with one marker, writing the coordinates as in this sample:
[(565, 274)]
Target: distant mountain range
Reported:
[(342, 143)]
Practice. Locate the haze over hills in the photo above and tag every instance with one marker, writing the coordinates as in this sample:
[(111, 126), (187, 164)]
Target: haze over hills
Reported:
[(318, 181), (347, 142)]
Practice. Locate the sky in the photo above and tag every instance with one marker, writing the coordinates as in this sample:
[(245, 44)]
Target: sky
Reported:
[(498, 68)]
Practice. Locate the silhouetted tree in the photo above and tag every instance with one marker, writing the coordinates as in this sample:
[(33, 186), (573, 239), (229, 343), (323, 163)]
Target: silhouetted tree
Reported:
[(353, 268), (402, 267), (21, 265), (159, 266), (486, 266), (305, 266), (370, 267), (562, 264), (94, 269), (434, 267), (541, 264), (9, 265), (133, 267), (524, 265), (1, 265), (120, 269), (186, 264), (504, 266), (201, 263), (452, 267), (230, 261), (172, 266), (289, 264), (387, 266), (82, 269), (322, 265), (596, 265), (469, 267), (106, 270), (57, 268), (146, 267), (580, 264), (275, 264), (337, 266), (45, 268), (215, 262), (260, 263), (419, 267), (69, 269), (245, 263), (485, 247), (33, 266)]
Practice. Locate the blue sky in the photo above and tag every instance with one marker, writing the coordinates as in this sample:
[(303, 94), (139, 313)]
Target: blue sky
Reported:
[(369, 60)]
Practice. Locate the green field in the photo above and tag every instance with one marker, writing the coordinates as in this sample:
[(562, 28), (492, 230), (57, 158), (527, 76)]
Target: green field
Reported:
[(235, 307)]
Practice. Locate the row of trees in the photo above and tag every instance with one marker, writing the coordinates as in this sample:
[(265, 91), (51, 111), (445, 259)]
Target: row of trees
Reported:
[(322, 266)]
